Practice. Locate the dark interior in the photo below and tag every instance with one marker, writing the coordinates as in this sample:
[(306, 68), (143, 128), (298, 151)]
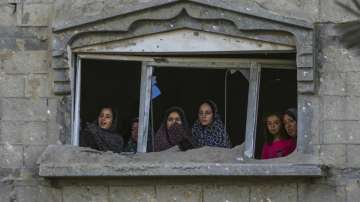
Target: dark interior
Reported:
[(278, 92), (117, 83), (188, 87), (114, 83)]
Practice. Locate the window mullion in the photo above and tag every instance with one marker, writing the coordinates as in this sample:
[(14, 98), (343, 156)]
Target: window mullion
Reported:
[(144, 108), (76, 125), (252, 110)]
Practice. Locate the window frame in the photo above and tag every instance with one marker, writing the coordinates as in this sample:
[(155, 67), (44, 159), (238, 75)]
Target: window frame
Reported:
[(149, 63)]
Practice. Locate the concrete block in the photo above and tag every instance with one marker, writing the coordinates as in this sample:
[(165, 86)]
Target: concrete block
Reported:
[(34, 15), (7, 15), (315, 122), (14, 109), (215, 193), (11, 156), (35, 45), (341, 108), (317, 192), (132, 193), (37, 85), (353, 156), (332, 83), (85, 194), (8, 44), (5, 192), (331, 12), (37, 194), (353, 83), (353, 191), (297, 9), (26, 62), (338, 59), (189, 193), (31, 155), (23, 132), (12, 85), (333, 155), (341, 132), (284, 192), (54, 130), (52, 109)]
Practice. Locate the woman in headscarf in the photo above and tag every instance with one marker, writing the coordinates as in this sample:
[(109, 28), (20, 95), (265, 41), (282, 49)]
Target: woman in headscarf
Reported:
[(290, 122), (101, 134), (208, 129), (174, 130)]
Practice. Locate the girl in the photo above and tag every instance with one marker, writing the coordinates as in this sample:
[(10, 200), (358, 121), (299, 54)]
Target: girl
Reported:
[(208, 129), (278, 143), (101, 134), (174, 130)]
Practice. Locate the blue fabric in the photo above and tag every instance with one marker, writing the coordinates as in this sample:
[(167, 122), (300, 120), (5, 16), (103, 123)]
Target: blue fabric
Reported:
[(155, 91)]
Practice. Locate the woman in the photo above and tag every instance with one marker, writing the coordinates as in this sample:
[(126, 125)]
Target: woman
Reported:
[(290, 122), (174, 130), (208, 129), (101, 134), (278, 143)]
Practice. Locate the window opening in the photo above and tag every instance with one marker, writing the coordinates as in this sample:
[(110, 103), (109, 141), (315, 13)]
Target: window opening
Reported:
[(236, 85), (188, 87), (278, 92), (110, 83)]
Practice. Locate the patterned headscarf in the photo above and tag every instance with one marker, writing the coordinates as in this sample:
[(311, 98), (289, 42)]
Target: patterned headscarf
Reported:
[(212, 135)]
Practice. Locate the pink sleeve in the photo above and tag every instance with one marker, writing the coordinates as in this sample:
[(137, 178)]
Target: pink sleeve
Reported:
[(264, 153), (291, 145)]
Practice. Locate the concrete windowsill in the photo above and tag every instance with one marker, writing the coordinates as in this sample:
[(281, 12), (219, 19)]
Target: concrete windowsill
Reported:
[(71, 161)]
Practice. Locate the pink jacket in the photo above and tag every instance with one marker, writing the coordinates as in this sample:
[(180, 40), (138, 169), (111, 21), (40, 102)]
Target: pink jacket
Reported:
[(278, 148)]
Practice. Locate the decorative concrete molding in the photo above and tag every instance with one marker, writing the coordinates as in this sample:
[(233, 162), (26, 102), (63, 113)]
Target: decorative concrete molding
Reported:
[(215, 17)]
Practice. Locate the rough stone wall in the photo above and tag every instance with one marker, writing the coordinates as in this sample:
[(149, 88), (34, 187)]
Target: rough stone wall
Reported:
[(29, 115)]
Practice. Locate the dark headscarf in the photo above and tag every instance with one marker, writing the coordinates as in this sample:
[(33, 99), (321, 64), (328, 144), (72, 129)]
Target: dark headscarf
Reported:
[(177, 134), (212, 135), (102, 139), (292, 112)]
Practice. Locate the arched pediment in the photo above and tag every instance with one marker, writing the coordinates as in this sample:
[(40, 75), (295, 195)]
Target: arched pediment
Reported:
[(244, 28)]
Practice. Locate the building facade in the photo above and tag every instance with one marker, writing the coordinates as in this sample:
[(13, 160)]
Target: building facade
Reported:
[(43, 46)]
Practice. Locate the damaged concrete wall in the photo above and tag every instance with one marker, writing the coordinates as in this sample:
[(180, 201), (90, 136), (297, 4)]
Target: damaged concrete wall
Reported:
[(31, 116)]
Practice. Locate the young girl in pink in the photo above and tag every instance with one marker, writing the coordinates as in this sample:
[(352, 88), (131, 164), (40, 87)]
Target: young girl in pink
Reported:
[(278, 143)]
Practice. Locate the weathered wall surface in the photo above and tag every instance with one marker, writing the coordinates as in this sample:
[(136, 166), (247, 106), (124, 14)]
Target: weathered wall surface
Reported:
[(29, 114)]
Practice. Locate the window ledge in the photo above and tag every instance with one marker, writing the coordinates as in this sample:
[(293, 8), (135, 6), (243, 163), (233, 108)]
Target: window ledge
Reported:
[(71, 161)]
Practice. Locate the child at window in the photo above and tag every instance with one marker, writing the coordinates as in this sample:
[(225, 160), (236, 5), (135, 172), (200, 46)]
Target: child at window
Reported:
[(278, 143)]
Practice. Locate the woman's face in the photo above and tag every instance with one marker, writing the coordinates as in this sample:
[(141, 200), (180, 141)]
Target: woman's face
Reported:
[(290, 125), (206, 114), (173, 118), (105, 118), (273, 123)]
